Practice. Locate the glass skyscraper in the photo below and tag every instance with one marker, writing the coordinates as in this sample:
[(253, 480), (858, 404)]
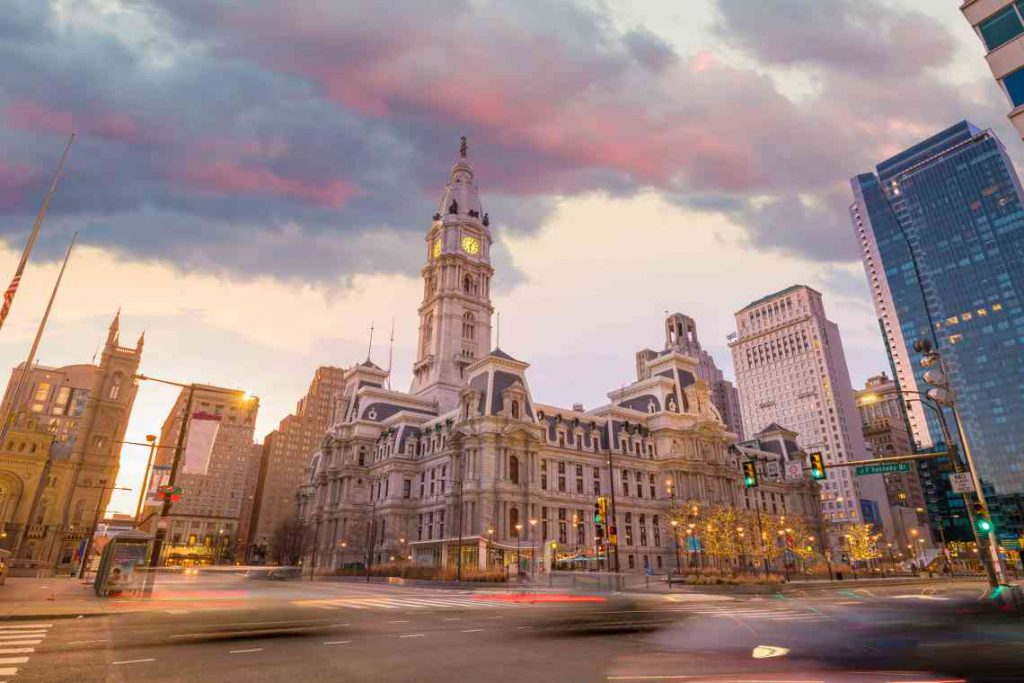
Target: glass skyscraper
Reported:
[(941, 226)]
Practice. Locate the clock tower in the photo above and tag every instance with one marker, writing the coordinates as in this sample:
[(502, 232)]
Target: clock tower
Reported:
[(455, 315)]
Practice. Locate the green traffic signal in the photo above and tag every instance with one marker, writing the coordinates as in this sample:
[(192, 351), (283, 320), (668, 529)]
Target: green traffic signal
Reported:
[(749, 474), (817, 467), (984, 525)]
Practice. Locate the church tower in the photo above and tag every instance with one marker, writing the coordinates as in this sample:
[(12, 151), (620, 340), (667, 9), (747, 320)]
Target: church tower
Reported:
[(455, 315)]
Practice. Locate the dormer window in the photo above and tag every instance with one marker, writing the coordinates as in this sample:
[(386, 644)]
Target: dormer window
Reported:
[(515, 409)]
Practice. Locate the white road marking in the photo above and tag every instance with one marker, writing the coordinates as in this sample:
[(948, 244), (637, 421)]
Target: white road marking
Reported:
[(15, 650), (25, 634), (399, 621), (134, 661), (9, 671), (412, 635), (13, 660), (252, 649), (452, 619), (473, 630), (85, 642), (18, 624), (336, 642), (22, 642)]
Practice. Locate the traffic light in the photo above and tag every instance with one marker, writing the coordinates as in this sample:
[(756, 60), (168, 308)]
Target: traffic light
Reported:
[(600, 510), (172, 493), (749, 474), (817, 466), (598, 531), (613, 536), (982, 521)]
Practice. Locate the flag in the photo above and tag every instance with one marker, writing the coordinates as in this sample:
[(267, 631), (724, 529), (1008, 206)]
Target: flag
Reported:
[(202, 432), (12, 288), (9, 297)]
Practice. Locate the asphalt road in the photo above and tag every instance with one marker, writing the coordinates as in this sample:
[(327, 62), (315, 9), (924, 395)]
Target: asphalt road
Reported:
[(298, 632)]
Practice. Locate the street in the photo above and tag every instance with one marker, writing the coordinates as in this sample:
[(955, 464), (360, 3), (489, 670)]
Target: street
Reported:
[(302, 631)]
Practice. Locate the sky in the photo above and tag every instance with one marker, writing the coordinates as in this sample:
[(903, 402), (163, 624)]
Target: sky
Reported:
[(252, 181)]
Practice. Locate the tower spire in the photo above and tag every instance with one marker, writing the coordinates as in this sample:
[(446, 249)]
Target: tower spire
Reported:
[(462, 147), (114, 331), (369, 348)]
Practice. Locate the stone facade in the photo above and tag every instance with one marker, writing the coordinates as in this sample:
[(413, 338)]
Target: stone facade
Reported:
[(469, 460), (681, 336), (60, 455)]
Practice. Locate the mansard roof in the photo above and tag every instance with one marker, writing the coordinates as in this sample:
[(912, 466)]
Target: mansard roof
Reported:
[(498, 353), (774, 427)]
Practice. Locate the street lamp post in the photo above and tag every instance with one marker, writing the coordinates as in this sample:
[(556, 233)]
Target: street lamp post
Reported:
[(519, 547), (942, 394), (533, 549), (151, 439), (675, 537)]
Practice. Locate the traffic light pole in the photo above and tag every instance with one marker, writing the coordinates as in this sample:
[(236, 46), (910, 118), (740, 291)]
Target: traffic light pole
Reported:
[(995, 569), (165, 508), (612, 524)]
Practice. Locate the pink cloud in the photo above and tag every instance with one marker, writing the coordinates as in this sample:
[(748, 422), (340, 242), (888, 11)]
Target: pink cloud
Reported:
[(40, 118), (12, 180), (231, 178)]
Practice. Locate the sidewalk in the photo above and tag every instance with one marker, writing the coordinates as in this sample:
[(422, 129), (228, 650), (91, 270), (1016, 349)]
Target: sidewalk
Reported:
[(24, 597), (54, 598)]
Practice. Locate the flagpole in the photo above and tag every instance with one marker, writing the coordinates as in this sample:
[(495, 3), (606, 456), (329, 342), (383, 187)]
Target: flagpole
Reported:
[(17, 391), (12, 289), (27, 368), (391, 351)]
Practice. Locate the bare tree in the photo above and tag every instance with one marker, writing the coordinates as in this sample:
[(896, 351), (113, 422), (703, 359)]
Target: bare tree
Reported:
[(290, 541)]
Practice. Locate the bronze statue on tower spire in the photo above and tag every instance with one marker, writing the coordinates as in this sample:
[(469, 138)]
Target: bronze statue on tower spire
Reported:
[(462, 147)]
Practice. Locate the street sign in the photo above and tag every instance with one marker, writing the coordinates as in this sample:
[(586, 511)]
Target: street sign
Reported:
[(961, 482), (794, 470), (1009, 542), (882, 468)]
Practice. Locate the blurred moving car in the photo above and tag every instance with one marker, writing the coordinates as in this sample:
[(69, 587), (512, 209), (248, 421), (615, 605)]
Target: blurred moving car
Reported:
[(274, 573)]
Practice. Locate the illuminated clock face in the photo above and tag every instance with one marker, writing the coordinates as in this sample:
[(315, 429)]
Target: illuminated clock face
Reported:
[(437, 248), (471, 245)]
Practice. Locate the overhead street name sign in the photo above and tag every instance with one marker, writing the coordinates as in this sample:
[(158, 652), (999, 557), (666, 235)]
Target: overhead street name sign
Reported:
[(883, 468)]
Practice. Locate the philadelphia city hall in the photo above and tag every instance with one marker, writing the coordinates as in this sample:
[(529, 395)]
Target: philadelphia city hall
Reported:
[(467, 459)]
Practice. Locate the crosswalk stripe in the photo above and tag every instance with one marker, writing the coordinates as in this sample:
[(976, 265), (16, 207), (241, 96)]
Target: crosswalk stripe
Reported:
[(22, 642), (27, 634), (9, 671), (13, 660), (18, 624), (15, 650)]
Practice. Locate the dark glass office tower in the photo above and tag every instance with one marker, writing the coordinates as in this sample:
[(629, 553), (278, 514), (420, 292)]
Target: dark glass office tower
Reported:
[(941, 226)]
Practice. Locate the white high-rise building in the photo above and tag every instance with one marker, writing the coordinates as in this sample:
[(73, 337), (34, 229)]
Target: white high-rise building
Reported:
[(791, 370)]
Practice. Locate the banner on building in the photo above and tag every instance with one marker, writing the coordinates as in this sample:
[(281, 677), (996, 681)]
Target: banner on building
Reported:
[(202, 432)]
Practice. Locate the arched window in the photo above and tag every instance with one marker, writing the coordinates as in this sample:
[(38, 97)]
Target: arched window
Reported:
[(513, 522), (469, 326), (115, 386), (513, 469), (467, 284), (515, 409)]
